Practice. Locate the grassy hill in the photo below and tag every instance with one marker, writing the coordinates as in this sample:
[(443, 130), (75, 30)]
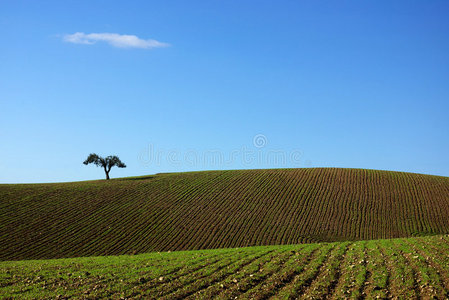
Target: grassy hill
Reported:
[(412, 268), (218, 209)]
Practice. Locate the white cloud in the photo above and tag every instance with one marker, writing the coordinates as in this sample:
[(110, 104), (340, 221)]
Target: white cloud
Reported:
[(114, 39)]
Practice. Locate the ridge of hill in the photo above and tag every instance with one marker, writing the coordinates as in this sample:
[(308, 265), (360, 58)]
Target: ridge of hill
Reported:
[(218, 209)]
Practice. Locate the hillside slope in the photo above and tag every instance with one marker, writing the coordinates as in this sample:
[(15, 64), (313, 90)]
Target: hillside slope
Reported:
[(218, 209)]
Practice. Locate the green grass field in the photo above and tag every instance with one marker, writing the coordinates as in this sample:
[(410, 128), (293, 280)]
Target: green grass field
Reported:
[(396, 268), (218, 209)]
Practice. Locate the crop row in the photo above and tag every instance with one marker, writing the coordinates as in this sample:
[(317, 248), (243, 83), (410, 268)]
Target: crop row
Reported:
[(218, 209), (396, 268)]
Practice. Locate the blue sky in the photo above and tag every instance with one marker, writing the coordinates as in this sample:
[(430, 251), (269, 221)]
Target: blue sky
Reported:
[(233, 84)]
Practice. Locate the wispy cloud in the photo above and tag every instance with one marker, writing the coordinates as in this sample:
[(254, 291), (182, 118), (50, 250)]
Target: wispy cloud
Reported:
[(113, 39)]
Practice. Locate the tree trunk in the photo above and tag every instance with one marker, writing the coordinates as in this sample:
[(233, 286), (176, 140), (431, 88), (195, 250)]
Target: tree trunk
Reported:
[(107, 173)]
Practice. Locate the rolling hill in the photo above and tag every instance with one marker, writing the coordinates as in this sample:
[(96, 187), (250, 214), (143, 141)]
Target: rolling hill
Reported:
[(218, 209)]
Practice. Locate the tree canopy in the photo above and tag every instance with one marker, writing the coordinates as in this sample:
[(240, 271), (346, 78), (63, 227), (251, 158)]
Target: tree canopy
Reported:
[(107, 163)]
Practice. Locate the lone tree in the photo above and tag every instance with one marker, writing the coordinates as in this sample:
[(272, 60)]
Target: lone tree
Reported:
[(107, 163)]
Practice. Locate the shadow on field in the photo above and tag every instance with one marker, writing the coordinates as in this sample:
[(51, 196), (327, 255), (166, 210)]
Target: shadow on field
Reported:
[(140, 177)]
